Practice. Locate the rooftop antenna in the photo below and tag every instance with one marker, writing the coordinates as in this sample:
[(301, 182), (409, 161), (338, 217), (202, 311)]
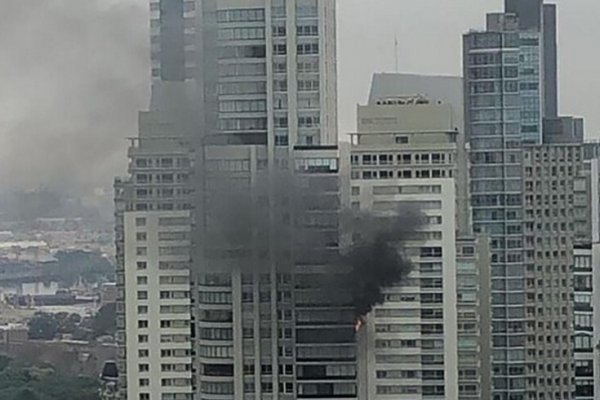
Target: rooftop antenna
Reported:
[(396, 51)]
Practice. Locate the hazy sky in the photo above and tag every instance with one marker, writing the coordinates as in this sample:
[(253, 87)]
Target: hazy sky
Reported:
[(75, 72), (429, 37)]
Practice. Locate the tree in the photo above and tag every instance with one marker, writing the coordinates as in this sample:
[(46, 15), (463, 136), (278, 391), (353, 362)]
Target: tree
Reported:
[(26, 394), (43, 326), (105, 321), (4, 362), (67, 324), (22, 382)]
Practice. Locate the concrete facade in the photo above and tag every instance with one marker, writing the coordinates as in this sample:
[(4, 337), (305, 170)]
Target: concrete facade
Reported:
[(550, 206), (474, 317), (251, 87), (153, 233), (252, 66), (405, 152), (280, 330), (594, 199), (510, 86), (584, 309)]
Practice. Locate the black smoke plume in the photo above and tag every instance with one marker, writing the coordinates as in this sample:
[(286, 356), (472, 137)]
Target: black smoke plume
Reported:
[(377, 256), (244, 219), (247, 222)]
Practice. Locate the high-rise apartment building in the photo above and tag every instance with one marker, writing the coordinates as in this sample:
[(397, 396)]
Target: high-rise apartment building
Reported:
[(493, 128), (153, 233), (271, 332), (252, 88), (447, 89), (595, 281), (538, 21), (584, 352), (526, 193), (586, 279), (550, 206), (405, 154), (474, 317), (266, 66), (269, 111)]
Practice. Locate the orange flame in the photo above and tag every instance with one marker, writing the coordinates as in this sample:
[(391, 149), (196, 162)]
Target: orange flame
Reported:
[(358, 325)]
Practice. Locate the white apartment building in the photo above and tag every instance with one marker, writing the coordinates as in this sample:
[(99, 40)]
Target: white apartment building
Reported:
[(153, 233), (157, 313), (410, 341), (252, 86), (404, 154)]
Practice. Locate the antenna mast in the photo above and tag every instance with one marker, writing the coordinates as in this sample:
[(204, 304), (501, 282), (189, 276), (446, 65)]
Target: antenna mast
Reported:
[(396, 51)]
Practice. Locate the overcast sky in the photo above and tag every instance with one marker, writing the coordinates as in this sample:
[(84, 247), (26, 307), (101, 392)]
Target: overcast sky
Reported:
[(429, 40), (75, 72)]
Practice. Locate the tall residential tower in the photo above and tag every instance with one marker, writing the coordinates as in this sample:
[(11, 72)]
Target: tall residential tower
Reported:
[(524, 162), (255, 82), (430, 337)]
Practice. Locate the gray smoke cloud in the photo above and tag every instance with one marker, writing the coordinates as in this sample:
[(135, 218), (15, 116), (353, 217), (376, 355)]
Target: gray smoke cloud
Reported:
[(74, 75), (243, 220), (377, 255)]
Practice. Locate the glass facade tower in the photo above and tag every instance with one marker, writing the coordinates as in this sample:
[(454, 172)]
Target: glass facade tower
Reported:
[(493, 119), (509, 88)]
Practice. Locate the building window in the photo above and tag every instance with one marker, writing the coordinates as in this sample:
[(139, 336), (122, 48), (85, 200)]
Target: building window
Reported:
[(241, 34), (267, 387), (279, 49), (424, 173), (279, 30), (308, 85), (404, 158), (280, 122), (280, 85), (241, 15), (431, 252), (309, 121), (308, 66), (307, 30), (583, 342), (308, 48)]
